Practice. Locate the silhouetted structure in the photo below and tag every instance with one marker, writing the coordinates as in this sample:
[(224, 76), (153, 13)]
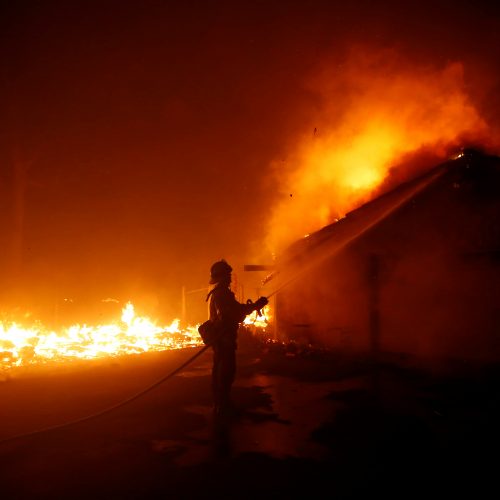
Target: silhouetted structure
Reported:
[(415, 271)]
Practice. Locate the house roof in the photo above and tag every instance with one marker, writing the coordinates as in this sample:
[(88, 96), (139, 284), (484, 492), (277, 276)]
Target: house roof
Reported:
[(338, 235)]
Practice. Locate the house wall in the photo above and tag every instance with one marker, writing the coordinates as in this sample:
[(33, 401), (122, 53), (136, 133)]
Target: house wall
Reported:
[(424, 282)]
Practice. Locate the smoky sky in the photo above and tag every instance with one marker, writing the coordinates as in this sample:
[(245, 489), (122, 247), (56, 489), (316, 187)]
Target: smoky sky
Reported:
[(137, 137)]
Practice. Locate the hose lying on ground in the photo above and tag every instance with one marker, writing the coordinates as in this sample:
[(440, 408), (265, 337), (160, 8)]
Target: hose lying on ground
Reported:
[(110, 408)]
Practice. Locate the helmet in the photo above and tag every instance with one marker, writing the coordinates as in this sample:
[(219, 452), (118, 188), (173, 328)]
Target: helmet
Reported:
[(221, 269)]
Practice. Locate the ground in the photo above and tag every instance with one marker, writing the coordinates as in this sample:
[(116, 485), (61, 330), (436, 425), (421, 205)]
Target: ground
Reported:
[(310, 422)]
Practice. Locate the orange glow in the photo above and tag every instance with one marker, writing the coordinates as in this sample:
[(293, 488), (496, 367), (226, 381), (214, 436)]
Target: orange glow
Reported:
[(375, 110), (132, 334), (22, 346), (261, 322)]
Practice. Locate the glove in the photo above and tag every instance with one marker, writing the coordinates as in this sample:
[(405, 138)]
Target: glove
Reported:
[(260, 303)]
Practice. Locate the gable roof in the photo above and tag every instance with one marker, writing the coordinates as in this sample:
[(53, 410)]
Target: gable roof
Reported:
[(338, 235)]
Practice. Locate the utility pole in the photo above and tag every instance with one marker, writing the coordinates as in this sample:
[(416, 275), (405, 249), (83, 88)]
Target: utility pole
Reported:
[(183, 305)]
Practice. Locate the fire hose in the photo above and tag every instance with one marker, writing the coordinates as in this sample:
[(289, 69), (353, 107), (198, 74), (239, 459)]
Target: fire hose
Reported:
[(142, 392), (115, 406), (204, 348), (110, 408)]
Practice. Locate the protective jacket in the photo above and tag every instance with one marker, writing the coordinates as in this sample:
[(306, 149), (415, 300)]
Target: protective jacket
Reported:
[(227, 313)]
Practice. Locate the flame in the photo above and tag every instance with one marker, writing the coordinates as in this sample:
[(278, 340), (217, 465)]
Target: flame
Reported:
[(21, 346), (376, 108), (25, 346), (259, 321)]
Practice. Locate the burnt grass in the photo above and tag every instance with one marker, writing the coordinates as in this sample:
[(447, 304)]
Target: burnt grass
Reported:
[(401, 431)]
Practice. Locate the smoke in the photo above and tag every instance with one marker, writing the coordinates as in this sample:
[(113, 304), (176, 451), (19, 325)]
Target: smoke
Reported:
[(373, 110)]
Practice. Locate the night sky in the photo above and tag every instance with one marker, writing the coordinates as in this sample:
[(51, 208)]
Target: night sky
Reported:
[(139, 140)]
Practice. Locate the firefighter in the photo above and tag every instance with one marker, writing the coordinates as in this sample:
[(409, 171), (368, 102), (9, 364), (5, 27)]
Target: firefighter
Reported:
[(227, 313)]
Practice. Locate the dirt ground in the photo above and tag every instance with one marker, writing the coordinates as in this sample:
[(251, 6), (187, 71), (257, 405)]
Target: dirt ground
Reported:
[(311, 423)]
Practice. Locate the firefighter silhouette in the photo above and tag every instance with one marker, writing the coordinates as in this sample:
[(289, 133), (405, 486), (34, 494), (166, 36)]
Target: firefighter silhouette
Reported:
[(227, 313)]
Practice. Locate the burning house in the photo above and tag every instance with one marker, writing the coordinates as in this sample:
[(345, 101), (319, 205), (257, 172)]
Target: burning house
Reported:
[(413, 272)]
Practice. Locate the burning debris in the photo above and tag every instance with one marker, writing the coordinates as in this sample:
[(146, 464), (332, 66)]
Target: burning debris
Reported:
[(132, 334), (258, 321)]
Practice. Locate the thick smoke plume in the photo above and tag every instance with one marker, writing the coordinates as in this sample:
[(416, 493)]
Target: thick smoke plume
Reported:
[(372, 111)]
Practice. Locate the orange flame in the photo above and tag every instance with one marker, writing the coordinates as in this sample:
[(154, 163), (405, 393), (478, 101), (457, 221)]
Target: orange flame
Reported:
[(375, 109), (260, 321), (21, 346)]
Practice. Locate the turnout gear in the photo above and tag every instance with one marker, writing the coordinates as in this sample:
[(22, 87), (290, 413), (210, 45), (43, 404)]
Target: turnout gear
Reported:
[(259, 304), (219, 270), (226, 314)]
